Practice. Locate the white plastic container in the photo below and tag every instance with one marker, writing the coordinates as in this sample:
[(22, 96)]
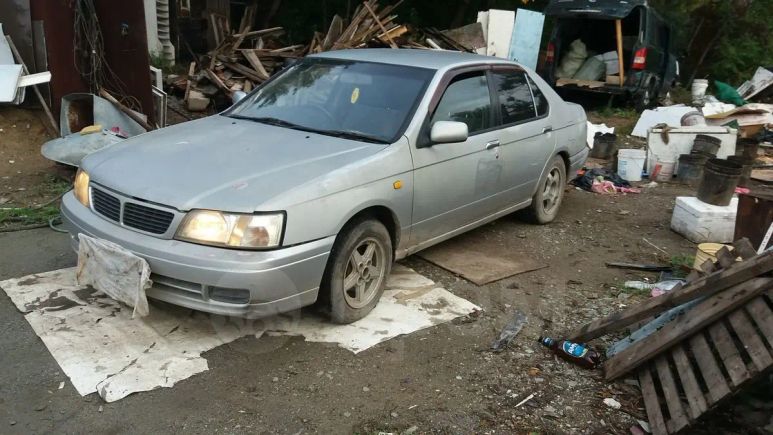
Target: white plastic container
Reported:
[(699, 88), (666, 169), (630, 164), (701, 223), (680, 141)]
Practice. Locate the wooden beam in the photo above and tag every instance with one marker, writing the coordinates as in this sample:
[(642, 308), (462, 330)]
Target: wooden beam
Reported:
[(701, 287), (254, 60), (619, 34), (699, 317), (39, 96), (383, 29), (744, 249), (133, 115)]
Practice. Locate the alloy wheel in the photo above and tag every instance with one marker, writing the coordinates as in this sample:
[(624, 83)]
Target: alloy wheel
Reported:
[(365, 272)]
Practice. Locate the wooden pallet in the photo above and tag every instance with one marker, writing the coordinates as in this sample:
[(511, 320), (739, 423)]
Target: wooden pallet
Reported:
[(683, 383)]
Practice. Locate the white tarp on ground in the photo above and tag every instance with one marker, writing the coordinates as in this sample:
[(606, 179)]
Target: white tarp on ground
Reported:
[(101, 349)]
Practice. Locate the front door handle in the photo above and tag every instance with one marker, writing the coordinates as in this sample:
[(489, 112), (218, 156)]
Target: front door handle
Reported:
[(493, 144), (547, 129)]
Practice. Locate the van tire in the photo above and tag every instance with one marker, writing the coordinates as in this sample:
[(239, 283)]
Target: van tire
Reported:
[(647, 98)]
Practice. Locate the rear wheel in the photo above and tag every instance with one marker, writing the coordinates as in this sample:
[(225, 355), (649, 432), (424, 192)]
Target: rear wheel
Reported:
[(550, 193), (647, 97), (357, 270)]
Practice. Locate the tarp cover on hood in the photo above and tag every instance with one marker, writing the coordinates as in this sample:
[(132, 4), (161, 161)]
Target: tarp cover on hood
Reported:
[(601, 8)]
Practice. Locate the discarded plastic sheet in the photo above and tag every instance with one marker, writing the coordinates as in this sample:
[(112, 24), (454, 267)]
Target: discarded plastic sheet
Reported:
[(101, 349), (509, 332), (671, 116), (762, 79), (114, 270)]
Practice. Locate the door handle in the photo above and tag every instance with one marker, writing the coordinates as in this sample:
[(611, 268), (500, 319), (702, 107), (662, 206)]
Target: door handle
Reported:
[(493, 144), (547, 129)]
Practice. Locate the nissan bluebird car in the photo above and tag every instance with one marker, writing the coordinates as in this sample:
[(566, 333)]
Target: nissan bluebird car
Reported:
[(309, 188)]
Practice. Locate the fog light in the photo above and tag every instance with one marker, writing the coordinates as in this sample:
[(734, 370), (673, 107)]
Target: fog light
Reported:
[(229, 295)]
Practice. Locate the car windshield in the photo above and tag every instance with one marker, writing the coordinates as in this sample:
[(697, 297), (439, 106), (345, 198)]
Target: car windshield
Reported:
[(356, 100)]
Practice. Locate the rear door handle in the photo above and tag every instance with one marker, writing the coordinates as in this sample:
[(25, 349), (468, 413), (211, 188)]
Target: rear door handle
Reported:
[(547, 129), (493, 144)]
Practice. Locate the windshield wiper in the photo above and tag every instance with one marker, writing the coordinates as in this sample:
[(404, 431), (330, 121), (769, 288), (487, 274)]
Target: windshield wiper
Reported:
[(271, 121), (354, 135)]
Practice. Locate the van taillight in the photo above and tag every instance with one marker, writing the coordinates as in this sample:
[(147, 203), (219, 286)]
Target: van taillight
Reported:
[(640, 58), (551, 53)]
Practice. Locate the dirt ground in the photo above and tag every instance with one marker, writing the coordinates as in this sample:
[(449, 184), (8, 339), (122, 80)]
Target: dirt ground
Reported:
[(24, 172), (439, 380)]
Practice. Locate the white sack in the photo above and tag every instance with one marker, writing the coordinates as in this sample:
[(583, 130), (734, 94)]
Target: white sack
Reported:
[(115, 271)]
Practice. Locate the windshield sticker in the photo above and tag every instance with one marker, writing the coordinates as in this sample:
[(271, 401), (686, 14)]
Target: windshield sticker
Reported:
[(355, 95)]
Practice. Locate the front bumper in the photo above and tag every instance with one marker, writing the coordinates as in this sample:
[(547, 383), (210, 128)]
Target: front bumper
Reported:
[(196, 276)]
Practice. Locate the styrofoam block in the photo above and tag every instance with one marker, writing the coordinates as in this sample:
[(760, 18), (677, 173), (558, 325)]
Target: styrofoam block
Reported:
[(700, 222)]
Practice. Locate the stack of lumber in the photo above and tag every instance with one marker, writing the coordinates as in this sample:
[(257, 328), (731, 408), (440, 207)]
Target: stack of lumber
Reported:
[(721, 342), (245, 58)]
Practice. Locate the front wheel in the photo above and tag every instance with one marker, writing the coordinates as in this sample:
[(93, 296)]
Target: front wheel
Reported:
[(550, 193), (357, 270)]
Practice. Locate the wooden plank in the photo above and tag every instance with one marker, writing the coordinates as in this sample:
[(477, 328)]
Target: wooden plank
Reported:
[(241, 69), (651, 402), (620, 60), (751, 341), (692, 390), (725, 258), (671, 395), (708, 267), (254, 60), (759, 310), (216, 80), (728, 353), (702, 315), (705, 286), (744, 248), (710, 372)]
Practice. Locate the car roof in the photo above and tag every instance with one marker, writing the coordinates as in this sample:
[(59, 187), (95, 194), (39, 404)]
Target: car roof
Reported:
[(430, 59)]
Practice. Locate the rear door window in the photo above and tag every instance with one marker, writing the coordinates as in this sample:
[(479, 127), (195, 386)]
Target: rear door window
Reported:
[(466, 99), (539, 98), (516, 104)]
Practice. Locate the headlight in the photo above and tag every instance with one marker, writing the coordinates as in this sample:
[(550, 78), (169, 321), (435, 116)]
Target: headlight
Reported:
[(81, 187), (231, 229)]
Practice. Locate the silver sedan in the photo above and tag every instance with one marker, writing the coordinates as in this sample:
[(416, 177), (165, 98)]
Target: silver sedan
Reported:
[(309, 188)]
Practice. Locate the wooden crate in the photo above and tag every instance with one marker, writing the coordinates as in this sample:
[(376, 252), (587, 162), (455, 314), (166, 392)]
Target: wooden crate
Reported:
[(692, 377)]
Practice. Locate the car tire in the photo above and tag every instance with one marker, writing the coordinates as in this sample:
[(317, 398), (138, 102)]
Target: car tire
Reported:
[(550, 193), (647, 97), (357, 270)]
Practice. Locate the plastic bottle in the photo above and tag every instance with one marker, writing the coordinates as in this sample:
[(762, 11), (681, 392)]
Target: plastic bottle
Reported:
[(580, 354)]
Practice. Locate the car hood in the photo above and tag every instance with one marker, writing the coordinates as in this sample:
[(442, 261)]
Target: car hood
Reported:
[(220, 163)]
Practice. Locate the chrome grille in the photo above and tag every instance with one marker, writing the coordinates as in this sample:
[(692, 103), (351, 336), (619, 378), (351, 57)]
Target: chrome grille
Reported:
[(147, 219), (134, 215), (107, 205)]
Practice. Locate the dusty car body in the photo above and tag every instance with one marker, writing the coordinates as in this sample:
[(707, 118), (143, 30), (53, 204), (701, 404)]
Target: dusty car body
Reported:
[(427, 145)]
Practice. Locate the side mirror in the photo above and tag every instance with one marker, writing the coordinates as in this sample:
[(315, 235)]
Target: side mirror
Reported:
[(449, 132), (237, 96)]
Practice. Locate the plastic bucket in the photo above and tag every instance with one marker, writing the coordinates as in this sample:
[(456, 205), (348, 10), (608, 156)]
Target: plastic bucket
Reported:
[(630, 164), (747, 148), (699, 88), (604, 146), (665, 170), (746, 171), (705, 252), (708, 145), (692, 119), (690, 168), (720, 178)]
